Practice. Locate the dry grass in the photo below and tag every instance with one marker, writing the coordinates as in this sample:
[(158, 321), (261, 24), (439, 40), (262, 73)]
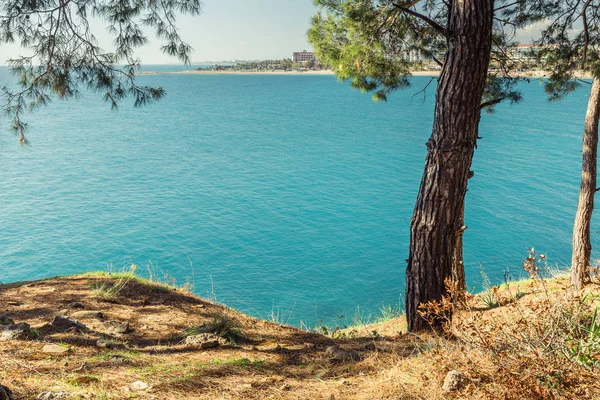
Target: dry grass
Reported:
[(506, 352)]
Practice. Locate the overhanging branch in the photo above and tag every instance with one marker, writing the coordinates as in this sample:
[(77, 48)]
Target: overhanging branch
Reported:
[(491, 102), (437, 27)]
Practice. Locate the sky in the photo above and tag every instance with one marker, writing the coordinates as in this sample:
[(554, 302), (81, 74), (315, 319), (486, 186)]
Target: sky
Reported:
[(227, 30), (235, 29)]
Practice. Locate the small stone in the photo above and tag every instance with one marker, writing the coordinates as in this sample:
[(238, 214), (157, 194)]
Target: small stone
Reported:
[(139, 385), (87, 314), (13, 303), (116, 327), (54, 349), (454, 381), (244, 386), (5, 393), (337, 354), (203, 340), (6, 320), (270, 380), (52, 396), (76, 304), (114, 359), (20, 331), (369, 347), (103, 343), (63, 323)]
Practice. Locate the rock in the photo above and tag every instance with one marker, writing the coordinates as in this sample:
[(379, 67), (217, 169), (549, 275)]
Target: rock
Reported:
[(54, 349), (87, 314), (454, 381), (203, 340), (104, 343), (63, 323), (109, 344), (18, 331), (76, 304), (369, 347), (337, 354), (244, 386), (114, 359), (5, 393), (268, 380), (13, 303), (139, 385), (116, 327), (52, 396), (6, 320)]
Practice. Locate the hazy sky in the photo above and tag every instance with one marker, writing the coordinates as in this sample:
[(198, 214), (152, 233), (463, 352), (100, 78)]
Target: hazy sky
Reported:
[(229, 29), (234, 29)]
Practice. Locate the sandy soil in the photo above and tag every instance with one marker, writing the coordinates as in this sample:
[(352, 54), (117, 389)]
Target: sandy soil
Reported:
[(151, 359)]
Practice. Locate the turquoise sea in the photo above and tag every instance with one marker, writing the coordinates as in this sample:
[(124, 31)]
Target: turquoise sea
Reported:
[(276, 193)]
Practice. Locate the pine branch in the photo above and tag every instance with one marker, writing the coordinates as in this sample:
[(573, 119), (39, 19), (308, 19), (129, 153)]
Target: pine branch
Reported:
[(437, 27), (586, 33), (491, 102)]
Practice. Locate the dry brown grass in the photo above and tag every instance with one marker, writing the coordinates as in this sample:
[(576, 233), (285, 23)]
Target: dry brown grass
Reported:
[(274, 361)]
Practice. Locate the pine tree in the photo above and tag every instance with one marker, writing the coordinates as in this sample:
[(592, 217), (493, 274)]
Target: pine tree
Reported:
[(62, 53), (366, 41), (571, 46)]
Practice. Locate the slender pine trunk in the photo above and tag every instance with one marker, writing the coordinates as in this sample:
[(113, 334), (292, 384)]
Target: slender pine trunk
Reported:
[(459, 283), (436, 217), (582, 245)]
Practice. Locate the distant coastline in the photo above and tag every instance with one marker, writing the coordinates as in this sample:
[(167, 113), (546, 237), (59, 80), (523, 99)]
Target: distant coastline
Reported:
[(276, 72), (522, 74), (234, 72)]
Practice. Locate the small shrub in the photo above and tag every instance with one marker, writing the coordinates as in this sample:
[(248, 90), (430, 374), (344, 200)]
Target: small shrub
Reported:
[(389, 312), (222, 326), (552, 340), (109, 291), (279, 316), (586, 348), (335, 333), (489, 297)]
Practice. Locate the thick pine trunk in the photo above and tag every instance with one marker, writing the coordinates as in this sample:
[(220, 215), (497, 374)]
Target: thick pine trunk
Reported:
[(582, 245), (437, 215)]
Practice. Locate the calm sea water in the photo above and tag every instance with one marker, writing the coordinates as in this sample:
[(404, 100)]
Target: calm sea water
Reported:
[(289, 193)]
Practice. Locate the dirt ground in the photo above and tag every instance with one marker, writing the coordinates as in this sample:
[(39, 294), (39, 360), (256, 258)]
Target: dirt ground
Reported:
[(151, 360)]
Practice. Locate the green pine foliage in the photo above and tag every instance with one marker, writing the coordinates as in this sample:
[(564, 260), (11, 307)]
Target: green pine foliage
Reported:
[(367, 42), (63, 55), (570, 41)]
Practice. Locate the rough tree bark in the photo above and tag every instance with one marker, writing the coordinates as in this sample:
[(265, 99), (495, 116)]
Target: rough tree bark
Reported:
[(436, 217), (582, 245), (459, 281)]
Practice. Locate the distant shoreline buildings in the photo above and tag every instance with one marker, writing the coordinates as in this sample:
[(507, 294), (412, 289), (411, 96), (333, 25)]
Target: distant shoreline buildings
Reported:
[(528, 52), (520, 52), (303, 56)]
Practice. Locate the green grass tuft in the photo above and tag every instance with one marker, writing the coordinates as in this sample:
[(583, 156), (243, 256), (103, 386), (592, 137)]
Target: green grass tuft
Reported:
[(222, 326)]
